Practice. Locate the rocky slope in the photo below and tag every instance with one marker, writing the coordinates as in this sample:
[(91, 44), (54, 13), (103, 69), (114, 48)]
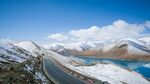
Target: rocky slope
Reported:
[(19, 65)]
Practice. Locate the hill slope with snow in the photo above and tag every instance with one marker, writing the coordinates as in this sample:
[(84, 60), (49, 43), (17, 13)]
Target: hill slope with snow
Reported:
[(28, 46), (111, 73), (12, 53)]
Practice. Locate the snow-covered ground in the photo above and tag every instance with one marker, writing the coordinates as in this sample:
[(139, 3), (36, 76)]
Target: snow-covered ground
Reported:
[(111, 73), (62, 59)]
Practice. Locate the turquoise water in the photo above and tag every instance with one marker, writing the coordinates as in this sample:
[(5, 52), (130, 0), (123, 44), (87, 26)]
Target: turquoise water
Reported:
[(144, 71), (131, 64)]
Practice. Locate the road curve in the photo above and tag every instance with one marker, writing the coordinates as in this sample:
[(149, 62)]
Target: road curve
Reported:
[(57, 75)]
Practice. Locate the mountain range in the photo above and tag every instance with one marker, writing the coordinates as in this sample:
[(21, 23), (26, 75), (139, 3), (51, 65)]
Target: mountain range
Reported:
[(127, 48)]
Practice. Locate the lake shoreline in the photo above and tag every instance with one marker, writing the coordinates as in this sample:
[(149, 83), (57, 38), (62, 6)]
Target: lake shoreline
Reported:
[(134, 65), (112, 58)]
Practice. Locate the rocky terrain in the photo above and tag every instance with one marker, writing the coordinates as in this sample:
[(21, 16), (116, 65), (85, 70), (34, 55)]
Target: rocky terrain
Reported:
[(20, 66)]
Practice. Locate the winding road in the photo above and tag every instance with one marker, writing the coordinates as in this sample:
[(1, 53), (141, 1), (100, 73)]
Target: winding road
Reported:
[(58, 75)]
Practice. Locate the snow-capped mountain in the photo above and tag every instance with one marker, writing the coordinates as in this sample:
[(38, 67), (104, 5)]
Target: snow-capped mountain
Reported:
[(28, 45), (12, 53), (126, 49), (123, 48), (21, 59), (133, 46), (79, 46), (18, 51), (67, 49)]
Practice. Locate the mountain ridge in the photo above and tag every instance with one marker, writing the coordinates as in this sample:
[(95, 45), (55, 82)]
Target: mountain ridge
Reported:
[(127, 48)]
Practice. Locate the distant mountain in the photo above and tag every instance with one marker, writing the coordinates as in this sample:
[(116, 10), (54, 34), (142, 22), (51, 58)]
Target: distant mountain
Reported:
[(127, 48), (65, 49)]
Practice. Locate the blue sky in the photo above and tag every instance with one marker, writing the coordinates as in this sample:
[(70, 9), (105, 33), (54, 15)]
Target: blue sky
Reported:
[(36, 19)]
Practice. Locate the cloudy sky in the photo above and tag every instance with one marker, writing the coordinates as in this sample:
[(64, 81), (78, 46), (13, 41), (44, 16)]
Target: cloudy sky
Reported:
[(118, 29), (73, 20)]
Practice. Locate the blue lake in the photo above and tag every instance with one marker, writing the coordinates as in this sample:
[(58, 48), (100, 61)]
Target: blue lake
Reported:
[(131, 64), (144, 71)]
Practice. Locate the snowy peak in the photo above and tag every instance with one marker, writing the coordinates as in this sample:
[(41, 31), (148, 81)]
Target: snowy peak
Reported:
[(130, 41), (11, 53), (28, 45), (133, 46)]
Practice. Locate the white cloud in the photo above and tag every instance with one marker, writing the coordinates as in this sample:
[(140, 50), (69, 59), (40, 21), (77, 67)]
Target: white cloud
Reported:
[(57, 37), (119, 29), (85, 34), (147, 24)]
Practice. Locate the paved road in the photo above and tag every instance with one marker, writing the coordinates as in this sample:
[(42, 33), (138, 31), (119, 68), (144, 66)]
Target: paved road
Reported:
[(57, 75)]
